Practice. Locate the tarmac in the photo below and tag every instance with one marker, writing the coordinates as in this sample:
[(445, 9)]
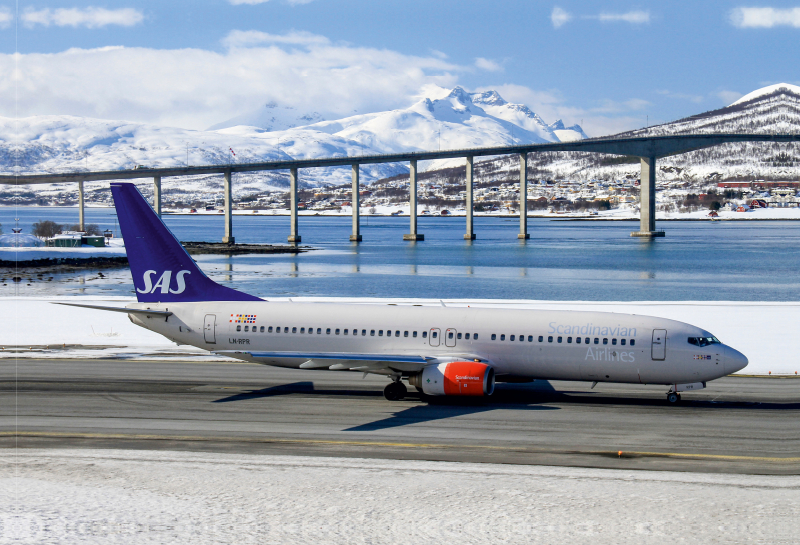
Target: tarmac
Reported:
[(737, 425)]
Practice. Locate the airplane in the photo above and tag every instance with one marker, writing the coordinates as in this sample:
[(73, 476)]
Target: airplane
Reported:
[(441, 351)]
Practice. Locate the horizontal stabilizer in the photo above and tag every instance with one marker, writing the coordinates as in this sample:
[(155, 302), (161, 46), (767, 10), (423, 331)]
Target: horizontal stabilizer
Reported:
[(142, 311)]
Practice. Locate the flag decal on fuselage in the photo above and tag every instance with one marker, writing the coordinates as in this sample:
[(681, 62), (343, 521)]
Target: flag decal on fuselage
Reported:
[(243, 318)]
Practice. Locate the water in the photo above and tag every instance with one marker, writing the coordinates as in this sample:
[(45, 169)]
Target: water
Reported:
[(563, 260)]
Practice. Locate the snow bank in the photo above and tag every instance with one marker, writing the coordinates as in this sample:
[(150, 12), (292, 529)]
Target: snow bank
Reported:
[(124, 496), (762, 331)]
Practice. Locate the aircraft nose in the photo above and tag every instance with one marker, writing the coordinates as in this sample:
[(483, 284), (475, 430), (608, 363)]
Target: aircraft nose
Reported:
[(734, 360)]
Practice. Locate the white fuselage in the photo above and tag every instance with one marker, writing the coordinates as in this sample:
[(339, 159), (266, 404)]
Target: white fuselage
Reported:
[(539, 344)]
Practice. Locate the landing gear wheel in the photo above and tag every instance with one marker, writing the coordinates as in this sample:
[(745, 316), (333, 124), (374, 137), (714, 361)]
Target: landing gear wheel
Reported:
[(395, 391), (673, 397)]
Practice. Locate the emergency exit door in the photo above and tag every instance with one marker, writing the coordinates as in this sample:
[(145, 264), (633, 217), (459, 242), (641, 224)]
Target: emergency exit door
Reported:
[(210, 329), (659, 346)]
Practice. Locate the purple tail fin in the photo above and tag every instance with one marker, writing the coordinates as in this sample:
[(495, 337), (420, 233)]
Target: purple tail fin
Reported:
[(162, 270)]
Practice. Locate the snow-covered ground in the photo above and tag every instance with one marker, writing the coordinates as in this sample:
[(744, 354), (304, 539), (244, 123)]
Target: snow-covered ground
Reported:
[(762, 331), (118, 496)]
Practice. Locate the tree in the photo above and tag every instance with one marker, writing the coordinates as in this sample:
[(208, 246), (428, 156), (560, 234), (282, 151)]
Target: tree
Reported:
[(46, 229), (715, 205)]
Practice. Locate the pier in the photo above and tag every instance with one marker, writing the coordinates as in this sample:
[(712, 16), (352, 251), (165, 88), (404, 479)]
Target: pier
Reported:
[(648, 149)]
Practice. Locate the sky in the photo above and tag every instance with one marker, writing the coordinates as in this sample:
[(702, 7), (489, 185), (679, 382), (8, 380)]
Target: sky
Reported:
[(608, 65)]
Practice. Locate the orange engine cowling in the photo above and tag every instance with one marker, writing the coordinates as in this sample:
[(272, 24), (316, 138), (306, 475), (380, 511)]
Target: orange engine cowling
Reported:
[(457, 378)]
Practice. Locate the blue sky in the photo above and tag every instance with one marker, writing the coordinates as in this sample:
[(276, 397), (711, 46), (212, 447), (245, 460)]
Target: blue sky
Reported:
[(612, 65)]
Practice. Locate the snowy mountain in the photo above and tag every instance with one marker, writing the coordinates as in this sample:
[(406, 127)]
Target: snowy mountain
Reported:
[(772, 109), (445, 119), (271, 117)]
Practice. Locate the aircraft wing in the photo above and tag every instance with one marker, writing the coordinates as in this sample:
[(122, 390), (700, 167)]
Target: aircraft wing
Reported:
[(383, 364)]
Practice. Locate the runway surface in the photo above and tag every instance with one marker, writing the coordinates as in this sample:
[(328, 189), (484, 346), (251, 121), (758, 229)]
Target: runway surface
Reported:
[(736, 425)]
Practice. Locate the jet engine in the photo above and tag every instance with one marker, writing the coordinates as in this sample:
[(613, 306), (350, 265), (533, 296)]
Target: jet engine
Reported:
[(457, 378)]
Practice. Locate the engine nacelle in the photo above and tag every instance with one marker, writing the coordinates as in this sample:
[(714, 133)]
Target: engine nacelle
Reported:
[(457, 378)]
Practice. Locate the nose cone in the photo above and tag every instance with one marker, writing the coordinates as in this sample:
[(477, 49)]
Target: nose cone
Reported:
[(734, 360)]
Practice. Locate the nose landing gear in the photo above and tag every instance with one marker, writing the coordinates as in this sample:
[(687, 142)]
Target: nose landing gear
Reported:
[(395, 391)]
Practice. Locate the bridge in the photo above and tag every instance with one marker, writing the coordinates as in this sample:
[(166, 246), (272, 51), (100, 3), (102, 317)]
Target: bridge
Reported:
[(647, 148)]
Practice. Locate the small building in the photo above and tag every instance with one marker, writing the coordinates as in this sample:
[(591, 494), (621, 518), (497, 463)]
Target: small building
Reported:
[(76, 239)]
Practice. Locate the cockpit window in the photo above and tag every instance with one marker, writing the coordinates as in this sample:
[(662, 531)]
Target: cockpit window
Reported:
[(703, 341)]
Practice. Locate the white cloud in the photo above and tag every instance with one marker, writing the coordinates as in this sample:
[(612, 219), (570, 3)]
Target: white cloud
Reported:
[(249, 38), (90, 17), (764, 17), (488, 65), (682, 96), (255, 2), (5, 17), (633, 17), (196, 88), (559, 17), (729, 97)]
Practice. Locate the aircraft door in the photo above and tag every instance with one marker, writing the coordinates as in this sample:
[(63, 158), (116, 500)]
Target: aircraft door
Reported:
[(450, 337), (210, 328), (659, 346), (434, 337)]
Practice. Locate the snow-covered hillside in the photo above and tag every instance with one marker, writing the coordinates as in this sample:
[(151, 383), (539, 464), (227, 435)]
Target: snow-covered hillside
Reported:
[(771, 110), (445, 119)]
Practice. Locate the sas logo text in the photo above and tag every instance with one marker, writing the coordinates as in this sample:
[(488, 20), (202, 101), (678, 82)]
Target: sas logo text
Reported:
[(164, 282), (702, 357)]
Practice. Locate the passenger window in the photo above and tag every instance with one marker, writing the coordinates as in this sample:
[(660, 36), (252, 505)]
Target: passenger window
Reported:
[(530, 338), (475, 337), (511, 338), (247, 328), (424, 334), (262, 329), (550, 339), (286, 330), (238, 328), (596, 340), (371, 332), (397, 333), (633, 342), (586, 340), (380, 333), (559, 339), (522, 338), (328, 331), (337, 331), (569, 340), (294, 330), (466, 336), (459, 335), (578, 340), (269, 329), (605, 341), (405, 333), (363, 332), (613, 341), (319, 331), (541, 338), (389, 333), (622, 342), (310, 330), (435, 334), (494, 336), (302, 330), (502, 337), (345, 331), (414, 334)]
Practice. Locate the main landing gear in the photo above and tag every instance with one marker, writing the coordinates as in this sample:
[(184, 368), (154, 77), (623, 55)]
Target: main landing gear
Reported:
[(395, 391), (673, 397)]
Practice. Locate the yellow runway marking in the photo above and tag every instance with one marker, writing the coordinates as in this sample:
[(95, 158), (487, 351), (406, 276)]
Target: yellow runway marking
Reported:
[(625, 454)]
